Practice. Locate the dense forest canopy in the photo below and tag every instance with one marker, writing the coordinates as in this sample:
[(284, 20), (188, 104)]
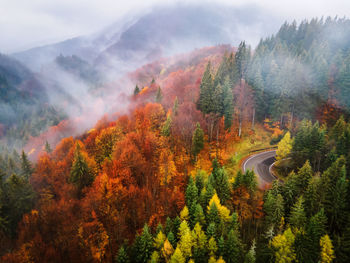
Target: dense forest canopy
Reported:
[(163, 183)]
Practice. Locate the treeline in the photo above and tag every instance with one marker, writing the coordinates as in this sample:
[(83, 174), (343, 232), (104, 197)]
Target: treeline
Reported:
[(302, 68), (24, 105)]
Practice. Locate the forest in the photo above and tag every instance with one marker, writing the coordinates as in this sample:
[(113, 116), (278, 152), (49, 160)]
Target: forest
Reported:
[(163, 182)]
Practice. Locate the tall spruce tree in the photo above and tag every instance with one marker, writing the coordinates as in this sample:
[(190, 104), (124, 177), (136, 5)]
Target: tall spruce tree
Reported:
[(81, 174)]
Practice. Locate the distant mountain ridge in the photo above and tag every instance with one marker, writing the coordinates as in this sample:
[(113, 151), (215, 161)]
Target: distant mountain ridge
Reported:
[(163, 31)]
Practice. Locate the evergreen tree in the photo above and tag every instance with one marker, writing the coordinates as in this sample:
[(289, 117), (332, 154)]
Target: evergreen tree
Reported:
[(228, 102), (205, 101), (136, 90), (159, 95), (171, 239), (143, 246), (177, 257), (315, 229), (26, 166), (212, 246), (298, 216), (283, 245), (81, 174), (159, 240), (242, 59), (17, 199), (327, 252), (122, 256), (176, 106), (168, 225), (221, 247), (47, 147), (213, 215), (199, 244), (211, 230), (232, 252), (250, 257), (335, 193), (191, 193), (197, 140), (199, 216), (166, 129)]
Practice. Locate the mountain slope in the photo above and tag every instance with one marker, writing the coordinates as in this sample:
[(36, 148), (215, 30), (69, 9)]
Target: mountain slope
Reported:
[(164, 31), (24, 104)]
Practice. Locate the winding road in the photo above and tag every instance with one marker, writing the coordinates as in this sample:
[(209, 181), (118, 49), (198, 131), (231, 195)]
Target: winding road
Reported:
[(261, 164)]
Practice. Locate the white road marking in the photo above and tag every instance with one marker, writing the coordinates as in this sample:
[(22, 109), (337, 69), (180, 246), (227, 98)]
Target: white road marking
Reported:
[(253, 156)]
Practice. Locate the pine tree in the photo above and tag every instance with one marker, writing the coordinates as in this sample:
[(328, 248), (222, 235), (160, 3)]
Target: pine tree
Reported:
[(168, 225), (159, 95), (143, 245), (315, 229), (166, 129), (228, 102), (199, 216), (136, 90), (184, 214), (220, 183), (177, 257), (304, 176), (26, 166), (159, 240), (232, 252), (218, 99), (213, 214), (205, 101), (327, 252), (171, 238), (122, 256), (186, 243), (212, 246), (199, 244), (47, 147), (221, 246), (154, 257), (81, 174), (283, 245), (168, 249), (197, 140), (242, 59), (191, 193), (297, 215), (211, 230), (176, 106), (250, 257)]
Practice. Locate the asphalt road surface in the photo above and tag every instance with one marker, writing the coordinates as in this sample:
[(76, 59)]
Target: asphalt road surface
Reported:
[(261, 163)]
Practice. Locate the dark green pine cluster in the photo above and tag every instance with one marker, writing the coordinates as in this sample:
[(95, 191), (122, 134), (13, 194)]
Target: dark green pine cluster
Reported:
[(302, 67)]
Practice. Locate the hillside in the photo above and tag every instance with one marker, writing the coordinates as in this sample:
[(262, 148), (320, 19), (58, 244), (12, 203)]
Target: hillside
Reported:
[(158, 178), (137, 39), (24, 105)]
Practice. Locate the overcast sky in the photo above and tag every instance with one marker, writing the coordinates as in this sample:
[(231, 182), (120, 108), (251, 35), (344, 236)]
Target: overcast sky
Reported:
[(29, 23)]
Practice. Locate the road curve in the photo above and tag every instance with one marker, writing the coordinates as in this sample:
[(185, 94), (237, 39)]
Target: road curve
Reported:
[(261, 163)]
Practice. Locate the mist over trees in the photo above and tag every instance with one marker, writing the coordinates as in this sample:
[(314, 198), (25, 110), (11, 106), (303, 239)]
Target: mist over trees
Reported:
[(163, 182)]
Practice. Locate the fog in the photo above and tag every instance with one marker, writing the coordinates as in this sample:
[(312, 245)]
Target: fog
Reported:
[(26, 24)]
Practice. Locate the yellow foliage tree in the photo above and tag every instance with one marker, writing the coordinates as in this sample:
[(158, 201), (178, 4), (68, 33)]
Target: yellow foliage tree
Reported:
[(167, 250), (177, 257), (327, 252), (167, 168), (224, 212), (284, 147), (283, 245), (184, 214), (159, 240)]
